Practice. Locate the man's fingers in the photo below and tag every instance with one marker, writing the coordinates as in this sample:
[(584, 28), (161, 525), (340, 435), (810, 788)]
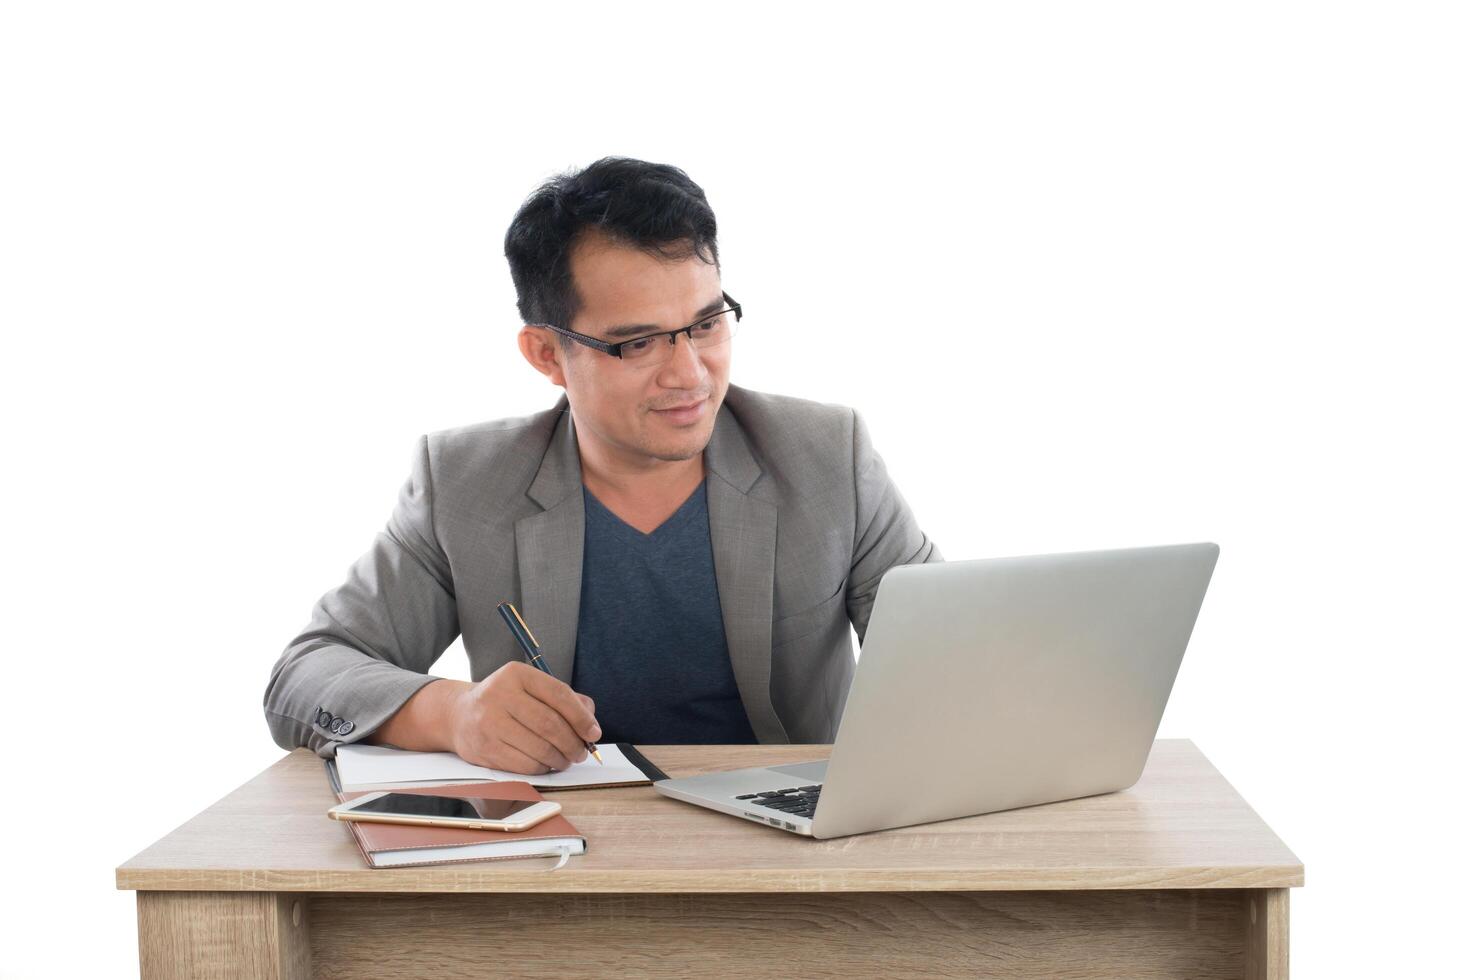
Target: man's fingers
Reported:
[(487, 749), (546, 722), (516, 735), (559, 697), (513, 760)]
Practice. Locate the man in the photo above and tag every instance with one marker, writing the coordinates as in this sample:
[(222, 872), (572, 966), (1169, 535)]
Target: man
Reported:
[(688, 554)]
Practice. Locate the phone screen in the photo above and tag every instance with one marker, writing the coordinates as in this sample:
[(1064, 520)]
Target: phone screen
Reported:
[(416, 805)]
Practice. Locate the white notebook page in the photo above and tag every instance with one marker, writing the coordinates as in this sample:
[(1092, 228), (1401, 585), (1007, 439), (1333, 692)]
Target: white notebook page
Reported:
[(360, 766)]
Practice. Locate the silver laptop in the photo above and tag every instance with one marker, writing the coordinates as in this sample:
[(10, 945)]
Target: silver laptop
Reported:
[(988, 685)]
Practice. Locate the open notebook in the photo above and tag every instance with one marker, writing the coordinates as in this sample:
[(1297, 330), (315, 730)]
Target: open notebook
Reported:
[(376, 766)]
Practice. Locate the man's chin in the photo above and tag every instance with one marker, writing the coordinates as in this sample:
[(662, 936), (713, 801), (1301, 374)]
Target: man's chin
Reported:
[(677, 454), (677, 450)]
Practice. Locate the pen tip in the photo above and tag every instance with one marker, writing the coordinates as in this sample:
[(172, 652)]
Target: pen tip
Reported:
[(599, 757)]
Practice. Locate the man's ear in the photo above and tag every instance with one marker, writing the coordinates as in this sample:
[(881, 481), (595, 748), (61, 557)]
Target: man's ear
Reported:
[(542, 349)]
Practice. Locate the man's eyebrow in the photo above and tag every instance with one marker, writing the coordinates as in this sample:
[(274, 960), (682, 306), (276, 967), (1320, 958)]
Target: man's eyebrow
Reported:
[(638, 329)]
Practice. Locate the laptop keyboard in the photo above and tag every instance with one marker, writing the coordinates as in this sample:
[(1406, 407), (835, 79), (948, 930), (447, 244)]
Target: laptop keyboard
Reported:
[(799, 801)]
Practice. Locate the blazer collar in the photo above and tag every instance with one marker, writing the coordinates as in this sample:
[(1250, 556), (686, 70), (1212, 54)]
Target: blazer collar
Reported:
[(728, 453), (560, 470)]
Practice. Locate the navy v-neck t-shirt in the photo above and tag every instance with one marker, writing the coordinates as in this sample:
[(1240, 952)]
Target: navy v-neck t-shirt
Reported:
[(650, 646)]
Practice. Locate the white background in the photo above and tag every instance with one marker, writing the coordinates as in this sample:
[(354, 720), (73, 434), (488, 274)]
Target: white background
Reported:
[(1095, 274)]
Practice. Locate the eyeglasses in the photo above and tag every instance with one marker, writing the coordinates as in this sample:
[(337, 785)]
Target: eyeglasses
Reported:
[(710, 331)]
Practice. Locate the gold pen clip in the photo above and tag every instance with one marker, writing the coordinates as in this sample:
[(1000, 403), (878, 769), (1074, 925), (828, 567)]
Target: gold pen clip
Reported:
[(516, 613)]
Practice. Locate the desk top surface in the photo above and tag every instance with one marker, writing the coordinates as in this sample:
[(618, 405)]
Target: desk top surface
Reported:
[(1181, 826)]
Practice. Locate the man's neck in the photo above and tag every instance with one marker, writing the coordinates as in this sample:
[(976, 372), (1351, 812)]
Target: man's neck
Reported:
[(608, 479), (644, 497)]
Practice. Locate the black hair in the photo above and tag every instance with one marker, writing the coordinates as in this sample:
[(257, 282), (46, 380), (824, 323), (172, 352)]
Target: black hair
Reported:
[(651, 206)]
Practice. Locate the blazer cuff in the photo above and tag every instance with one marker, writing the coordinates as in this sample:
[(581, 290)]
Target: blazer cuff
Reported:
[(351, 710)]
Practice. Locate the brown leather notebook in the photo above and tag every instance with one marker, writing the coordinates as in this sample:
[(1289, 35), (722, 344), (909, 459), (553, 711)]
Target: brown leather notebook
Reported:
[(386, 845)]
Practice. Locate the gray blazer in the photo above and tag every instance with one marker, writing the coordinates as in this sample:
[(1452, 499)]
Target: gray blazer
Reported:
[(803, 518)]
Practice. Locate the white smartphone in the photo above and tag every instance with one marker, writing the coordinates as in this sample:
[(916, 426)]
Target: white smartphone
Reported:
[(422, 810)]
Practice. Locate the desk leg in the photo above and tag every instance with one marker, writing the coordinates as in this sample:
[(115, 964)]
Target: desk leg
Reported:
[(1267, 934), (218, 935)]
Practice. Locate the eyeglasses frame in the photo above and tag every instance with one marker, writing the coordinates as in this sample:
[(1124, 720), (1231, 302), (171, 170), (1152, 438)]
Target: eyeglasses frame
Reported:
[(615, 350)]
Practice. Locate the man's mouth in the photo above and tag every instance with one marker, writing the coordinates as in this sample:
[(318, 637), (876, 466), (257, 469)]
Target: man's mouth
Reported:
[(683, 413)]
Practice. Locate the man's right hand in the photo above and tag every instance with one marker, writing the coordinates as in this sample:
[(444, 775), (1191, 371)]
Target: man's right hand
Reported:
[(521, 720), (517, 719)]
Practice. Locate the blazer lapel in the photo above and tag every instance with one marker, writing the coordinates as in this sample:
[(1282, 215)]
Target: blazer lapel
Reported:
[(548, 548), (742, 534)]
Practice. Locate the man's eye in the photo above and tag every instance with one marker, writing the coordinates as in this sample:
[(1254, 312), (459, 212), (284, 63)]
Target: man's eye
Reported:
[(639, 346), (707, 326)]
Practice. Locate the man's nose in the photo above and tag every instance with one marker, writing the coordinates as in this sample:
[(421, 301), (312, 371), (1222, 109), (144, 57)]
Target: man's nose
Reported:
[(684, 362)]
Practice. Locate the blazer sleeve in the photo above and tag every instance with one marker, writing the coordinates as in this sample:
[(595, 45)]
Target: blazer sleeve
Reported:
[(370, 641), (886, 532)]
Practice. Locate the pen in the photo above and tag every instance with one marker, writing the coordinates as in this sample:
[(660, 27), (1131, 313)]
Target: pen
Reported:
[(532, 649)]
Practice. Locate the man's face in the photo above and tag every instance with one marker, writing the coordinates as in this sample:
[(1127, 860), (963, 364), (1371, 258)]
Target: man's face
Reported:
[(628, 293)]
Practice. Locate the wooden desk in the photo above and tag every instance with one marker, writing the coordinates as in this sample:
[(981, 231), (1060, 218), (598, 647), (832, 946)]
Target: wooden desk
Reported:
[(1174, 877)]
